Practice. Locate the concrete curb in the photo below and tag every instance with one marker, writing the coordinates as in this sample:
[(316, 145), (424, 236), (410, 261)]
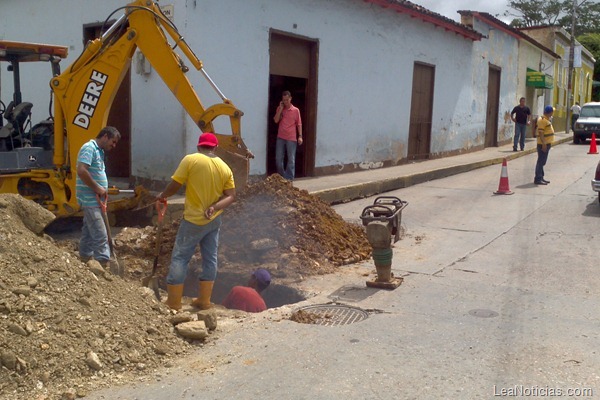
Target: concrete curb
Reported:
[(352, 192), (343, 194)]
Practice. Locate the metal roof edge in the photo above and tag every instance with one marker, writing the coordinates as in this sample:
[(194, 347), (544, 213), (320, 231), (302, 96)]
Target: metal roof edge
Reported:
[(416, 11), (517, 34)]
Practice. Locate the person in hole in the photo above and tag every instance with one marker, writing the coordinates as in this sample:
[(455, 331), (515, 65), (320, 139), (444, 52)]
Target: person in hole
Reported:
[(248, 298)]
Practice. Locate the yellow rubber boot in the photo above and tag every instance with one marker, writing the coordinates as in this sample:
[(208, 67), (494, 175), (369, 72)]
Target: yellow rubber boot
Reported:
[(204, 292), (174, 300)]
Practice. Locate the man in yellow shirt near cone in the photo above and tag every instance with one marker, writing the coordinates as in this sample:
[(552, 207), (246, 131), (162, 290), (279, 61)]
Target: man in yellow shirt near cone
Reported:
[(545, 137), (209, 189)]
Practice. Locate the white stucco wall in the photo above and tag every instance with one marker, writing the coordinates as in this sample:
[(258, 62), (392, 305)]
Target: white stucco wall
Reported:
[(366, 58), (365, 67), (501, 50)]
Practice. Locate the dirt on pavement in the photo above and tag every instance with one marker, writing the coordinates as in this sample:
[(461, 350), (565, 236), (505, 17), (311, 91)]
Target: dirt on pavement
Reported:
[(67, 328), (271, 225)]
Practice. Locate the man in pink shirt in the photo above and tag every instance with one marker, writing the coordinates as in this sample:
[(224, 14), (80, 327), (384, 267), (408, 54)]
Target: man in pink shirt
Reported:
[(290, 124), (248, 298)]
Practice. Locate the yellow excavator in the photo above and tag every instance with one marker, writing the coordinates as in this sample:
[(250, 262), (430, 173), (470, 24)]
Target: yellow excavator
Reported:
[(39, 162)]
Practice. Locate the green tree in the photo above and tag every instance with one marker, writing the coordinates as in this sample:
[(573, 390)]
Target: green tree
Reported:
[(529, 13), (587, 15), (534, 12)]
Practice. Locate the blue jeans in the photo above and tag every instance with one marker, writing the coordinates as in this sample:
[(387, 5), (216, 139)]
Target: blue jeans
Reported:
[(188, 237), (289, 147), (520, 131), (541, 161), (94, 239)]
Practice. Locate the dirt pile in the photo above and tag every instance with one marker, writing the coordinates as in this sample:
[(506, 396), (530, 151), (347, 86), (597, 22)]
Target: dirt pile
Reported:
[(62, 327), (272, 224), (273, 211), (67, 327)]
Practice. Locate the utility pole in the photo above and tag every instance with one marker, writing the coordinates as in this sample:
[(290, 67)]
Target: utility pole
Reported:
[(570, 78)]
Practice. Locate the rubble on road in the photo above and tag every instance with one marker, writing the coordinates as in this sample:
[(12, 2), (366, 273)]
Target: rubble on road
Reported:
[(61, 325), (67, 327), (272, 225)]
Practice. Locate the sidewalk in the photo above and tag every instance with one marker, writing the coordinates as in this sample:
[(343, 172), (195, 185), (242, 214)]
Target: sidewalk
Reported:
[(355, 185), (342, 188)]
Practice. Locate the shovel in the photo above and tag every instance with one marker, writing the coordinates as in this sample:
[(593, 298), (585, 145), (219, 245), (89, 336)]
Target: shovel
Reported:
[(151, 281), (115, 267)]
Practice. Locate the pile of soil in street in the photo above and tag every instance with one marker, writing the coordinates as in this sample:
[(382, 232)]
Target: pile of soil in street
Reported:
[(271, 225), (64, 329), (67, 328)]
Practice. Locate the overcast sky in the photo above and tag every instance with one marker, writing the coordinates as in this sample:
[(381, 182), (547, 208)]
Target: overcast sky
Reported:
[(449, 8)]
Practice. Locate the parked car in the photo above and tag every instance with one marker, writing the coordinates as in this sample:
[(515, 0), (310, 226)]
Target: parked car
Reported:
[(596, 181), (587, 123)]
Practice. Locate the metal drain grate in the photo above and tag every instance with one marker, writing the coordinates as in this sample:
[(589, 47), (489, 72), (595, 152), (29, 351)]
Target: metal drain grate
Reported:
[(329, 314)]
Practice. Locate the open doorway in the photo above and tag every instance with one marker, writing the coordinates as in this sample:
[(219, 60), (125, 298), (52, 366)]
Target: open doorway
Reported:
[(297, 87), (293, 66)]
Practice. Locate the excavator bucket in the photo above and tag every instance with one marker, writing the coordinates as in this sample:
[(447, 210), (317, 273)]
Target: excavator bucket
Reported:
[(240, 166), (130, 210), (140, 198), (234, 152)]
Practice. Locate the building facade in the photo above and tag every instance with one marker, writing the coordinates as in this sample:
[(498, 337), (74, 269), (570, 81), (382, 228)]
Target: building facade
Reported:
[(583, 72), (534, 66), (378, 82)]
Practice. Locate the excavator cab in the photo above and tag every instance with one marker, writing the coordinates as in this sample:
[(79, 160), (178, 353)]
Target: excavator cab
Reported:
[(18, 119), (23, 146)]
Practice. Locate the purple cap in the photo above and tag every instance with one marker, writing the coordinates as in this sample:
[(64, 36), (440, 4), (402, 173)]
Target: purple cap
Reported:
[(262, 277)]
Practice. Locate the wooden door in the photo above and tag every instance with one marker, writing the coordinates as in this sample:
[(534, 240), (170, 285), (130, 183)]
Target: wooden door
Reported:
[(493, 101), (421, 111)]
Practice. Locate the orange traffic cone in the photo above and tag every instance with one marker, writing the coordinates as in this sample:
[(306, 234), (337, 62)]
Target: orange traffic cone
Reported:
[(503, 187), (593, 149)]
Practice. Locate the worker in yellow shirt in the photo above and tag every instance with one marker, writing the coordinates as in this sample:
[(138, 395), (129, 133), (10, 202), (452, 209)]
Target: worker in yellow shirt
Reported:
[(209, 188), (545, 138)]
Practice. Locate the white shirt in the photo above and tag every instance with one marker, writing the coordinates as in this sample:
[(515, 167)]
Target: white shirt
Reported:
[(576, 109)]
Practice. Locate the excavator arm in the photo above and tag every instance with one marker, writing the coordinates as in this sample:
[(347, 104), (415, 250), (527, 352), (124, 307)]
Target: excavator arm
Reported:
[(85, 91)]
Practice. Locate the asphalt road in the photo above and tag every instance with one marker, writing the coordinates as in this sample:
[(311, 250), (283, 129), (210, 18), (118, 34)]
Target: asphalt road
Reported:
[(499, 299)]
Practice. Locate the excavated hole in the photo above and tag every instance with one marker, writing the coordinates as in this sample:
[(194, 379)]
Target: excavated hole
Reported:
[(275, 295)]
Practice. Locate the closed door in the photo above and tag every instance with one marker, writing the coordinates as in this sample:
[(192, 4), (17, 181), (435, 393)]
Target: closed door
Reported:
[(421, 111), (493, 101)]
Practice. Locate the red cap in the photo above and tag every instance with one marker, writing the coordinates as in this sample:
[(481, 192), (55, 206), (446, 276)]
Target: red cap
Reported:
[(208, 139)]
